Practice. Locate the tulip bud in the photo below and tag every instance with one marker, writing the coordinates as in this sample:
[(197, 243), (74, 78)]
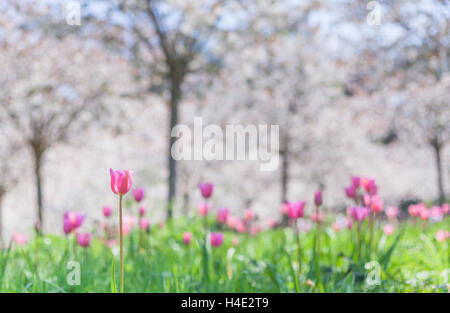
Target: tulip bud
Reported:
[(318, 198), (206, 189)]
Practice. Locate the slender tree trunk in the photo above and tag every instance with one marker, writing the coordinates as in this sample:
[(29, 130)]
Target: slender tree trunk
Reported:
[(38, 160), (175, 96), (440, 181), (284, 153)]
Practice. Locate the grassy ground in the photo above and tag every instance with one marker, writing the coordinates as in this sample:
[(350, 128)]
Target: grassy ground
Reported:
[(410, 260)]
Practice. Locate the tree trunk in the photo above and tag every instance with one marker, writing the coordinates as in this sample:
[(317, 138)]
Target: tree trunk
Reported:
[(440, 180), (284, 154), (175, 96), (38, 160)]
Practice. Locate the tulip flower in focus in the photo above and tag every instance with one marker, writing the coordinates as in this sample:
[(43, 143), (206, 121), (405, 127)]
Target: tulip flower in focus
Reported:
[(138, 194), (84, 239), (216, 239), (121, 181), (206, 189)]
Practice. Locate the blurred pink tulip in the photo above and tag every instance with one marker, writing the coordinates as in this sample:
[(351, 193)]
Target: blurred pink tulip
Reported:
[(369, 185), (296, 209), (72, 221), (255, 229), (249, 214), (442, 235), (121, 181), (20, 239), (235, 241), (271, 222), (375, 203), (445, 208), (222, 215), (107, 210), (360, 213), (84, 239), (388, 229), (203, 208), (392, 212), (436, 213), (206, 189), (144, 224), (318, 197), (350, 192), (141, 211), (187, 237), (240, 227), (317, 217), (337, 227), (138, 194), (232, 221), (356, 182), (284, 208), (216, 239), (424, 213), (349, 223), (413, 210)]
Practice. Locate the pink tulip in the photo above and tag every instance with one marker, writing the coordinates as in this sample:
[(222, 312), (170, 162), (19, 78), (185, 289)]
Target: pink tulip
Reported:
[(232, 221), (84, 239), (216, 239), (392, 212), (442, 235), (375, 203), (413, 210), (240, 227), (141, 211), (296, 209), (436, 213), (446, 208), (337, 226), (350, 192), (203, 208), (138, 194), (271, 222), (20, 239), (144, 224), (360, 213), (424, 213), (349, 223), (318, 197), (369, 185), (222, 215), (355, 182), (317, 217), (121, 181), (388, 229), (206, 189), (187, 237), (107, 210), (72, 221), (249, 214), (284, 209)]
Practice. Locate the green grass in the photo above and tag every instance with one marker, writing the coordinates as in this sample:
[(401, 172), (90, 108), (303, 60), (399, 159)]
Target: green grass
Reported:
[(412, 262)]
